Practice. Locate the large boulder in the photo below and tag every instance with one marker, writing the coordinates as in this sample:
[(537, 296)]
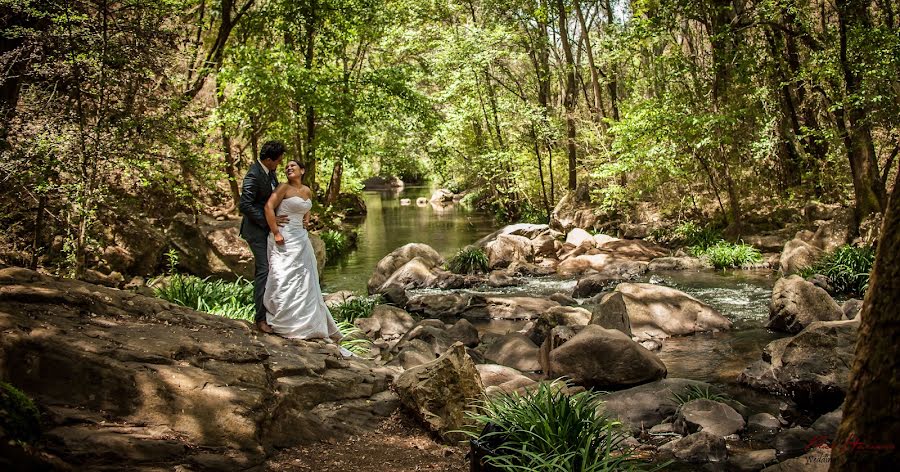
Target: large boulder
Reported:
[(441, 196), (604, 358), (658, 312), (135, 244), (679, 263), (507, 308), (441, 392), (591, 285), (514, 350), (506, 249), (578, 236), (493, 375), (635, 249), (798, 254), (387, 322), (414, 274), (432, 332), (440, 305), (607, 264), (818, 459), (639, 408), (813, 367), (528, 230), (710, 416), (796, 303), (208, 383), (207, 247), (696, 448), (557, 316), (399, 257), (612, 313), (463, 331)]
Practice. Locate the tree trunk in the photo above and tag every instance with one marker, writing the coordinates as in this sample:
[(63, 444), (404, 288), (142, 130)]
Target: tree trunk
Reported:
[(227, 154), (309, 53), (570, 94), (334, 184), (870, 409), (595, 79)]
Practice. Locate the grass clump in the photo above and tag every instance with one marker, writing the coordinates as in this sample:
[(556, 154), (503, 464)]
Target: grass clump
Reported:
[(727, 255), (20, 420), (352, 309), (219, 297), (469, 260), (696, 392), (336, 242), (353, 339), (688, 234), (548, 430), (847, 268)]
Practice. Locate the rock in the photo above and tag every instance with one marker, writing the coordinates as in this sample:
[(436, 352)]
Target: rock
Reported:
[(816, 460), (679, 263), (635, 249), (696, 448), (664, 428), (557, 337), (590, 285), (639, 408), (395, 294), (763, 422), (796, 303), (820, 211), (114, 279), (464, 332), (514, 350), (751, 461), (499, 278), (382, 183), (507, 308), (434, 335), (813, 367), (547, 267), (659, 312), (495, 374), (601, 239), (440, 392), (834, 233), (851, 308), (207, 247), (441, 195), (507, 249), (336, 298), (608, 264), (821, 281), (545, 245), (577, 236), (795, 442), (413, 353), (414, 274), (557, 316), (440, 305), (398, 258), (708, 415), (612, 313), (603, 358), (869, 230), (528, 230), (798, 254), (392, 321), (563, 299), (172, 381)]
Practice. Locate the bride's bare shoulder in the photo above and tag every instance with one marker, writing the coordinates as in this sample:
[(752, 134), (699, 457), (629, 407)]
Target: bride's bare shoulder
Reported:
[(306, 192)]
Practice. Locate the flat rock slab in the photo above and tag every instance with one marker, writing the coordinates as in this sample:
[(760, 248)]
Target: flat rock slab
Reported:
[(710, 416)]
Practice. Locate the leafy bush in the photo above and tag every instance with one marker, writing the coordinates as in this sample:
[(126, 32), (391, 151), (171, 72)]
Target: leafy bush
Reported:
[(336, 242), (724, 255), (19, 417), (847, 268), (687, 234), (219, 297), (354, 308), (468, 260), (696, 392), (548, 430)]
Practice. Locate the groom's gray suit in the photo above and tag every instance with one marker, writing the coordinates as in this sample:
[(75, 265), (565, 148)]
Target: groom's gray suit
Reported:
[(255, 192)]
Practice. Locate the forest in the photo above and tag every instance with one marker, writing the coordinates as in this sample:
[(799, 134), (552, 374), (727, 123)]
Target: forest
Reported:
[(700, 193)]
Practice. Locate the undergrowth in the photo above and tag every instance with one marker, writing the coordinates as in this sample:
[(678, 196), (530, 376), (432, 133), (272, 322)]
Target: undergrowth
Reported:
[(726, 255), (468, 260), (847, 268)]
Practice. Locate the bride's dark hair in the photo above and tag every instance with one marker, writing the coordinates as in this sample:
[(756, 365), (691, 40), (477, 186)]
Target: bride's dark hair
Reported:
[(300, 164)]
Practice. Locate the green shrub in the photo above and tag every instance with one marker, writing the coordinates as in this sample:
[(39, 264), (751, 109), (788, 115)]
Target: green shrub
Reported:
[(468, 260), (19, 417), (353, 339), (696, 392), (219, 297), (354, 308), (725, 255), (547, 430), (336, 242), (847, 268), (688, 234)]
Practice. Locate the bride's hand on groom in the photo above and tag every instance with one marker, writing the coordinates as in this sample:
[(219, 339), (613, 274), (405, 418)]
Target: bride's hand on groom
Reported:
[(279, 239)]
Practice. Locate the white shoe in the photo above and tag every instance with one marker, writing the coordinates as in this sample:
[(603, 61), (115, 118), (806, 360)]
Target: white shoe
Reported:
[(346, 352)]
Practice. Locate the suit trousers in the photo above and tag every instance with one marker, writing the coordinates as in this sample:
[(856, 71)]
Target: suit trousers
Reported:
[(258, 246)]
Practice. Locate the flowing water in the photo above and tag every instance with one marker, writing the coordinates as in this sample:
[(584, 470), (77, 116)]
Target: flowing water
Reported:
[(717, 358)]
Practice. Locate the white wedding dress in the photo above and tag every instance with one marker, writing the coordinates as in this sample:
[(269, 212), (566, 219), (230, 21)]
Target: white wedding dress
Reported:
[(293, 298)]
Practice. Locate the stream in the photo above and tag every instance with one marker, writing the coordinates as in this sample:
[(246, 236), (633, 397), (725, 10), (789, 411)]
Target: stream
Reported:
[(716, 358)]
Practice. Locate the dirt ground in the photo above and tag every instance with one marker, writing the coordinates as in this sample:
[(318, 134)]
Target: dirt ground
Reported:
[(397, 445)]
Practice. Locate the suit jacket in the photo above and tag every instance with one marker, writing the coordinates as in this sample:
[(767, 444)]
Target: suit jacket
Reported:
[(255, 192)]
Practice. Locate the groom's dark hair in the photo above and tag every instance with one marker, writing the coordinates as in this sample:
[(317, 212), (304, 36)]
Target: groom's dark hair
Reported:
[(271, 150)]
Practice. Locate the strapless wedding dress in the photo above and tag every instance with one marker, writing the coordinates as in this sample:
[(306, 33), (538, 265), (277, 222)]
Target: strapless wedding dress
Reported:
[(293, 298)]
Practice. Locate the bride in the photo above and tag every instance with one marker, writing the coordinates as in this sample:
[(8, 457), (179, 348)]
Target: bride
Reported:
[(293, 298)]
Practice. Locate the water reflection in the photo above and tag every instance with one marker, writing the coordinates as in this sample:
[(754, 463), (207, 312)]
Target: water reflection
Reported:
[(389, 225)]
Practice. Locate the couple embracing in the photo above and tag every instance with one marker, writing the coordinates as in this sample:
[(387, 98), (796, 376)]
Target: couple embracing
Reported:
[(286, 283)]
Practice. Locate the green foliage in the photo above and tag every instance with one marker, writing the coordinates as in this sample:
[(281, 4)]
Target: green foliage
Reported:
[(336, 242), (469, 260), (847, 268), (355, 308), (20, 419), (219, 297), (726, 255), (546, 430), (696, 392), (353, 339), (688, 234)]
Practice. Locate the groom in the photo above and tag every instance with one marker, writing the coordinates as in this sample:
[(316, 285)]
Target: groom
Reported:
[(256, 189)]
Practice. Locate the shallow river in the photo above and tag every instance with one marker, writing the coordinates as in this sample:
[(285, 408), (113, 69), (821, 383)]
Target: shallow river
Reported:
[(717, 358)]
